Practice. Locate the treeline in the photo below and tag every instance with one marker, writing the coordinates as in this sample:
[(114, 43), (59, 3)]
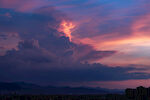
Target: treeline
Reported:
[(63, 97)]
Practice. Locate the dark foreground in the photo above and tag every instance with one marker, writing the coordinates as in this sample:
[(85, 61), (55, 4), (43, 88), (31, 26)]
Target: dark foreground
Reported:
[(140, 93), (63, 97)]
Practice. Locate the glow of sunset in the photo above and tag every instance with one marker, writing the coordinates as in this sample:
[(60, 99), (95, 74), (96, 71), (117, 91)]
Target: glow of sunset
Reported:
[(66, 28), (131, 49)]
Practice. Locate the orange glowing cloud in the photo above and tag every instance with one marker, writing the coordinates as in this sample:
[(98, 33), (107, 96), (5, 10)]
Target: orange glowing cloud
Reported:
[(66, 28)]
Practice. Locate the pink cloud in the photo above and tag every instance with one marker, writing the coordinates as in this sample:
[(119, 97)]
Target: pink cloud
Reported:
[(23, 5)]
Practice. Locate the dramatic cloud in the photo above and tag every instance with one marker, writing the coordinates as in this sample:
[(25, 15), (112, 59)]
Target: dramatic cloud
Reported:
[(41, 48)]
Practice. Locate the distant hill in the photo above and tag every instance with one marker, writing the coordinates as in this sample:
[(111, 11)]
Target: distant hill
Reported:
[(27, 88)]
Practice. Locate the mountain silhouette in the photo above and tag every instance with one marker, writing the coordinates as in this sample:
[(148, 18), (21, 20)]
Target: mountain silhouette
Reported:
[(28, 88)]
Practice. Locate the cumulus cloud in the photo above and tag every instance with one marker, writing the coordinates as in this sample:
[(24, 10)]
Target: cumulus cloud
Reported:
[(35, 64), (41, 47)]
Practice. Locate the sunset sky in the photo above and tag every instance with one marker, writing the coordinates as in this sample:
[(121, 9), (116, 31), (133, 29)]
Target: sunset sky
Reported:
[(92, 43)]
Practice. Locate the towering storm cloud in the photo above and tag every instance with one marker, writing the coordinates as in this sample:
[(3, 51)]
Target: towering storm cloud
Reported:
[(39, 44)]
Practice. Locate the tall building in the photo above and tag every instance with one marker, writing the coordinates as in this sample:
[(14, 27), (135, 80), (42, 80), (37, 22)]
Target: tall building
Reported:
[(140, 93)]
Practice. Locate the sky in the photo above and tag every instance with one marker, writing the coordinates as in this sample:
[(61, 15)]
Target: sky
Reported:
[(90, 43)]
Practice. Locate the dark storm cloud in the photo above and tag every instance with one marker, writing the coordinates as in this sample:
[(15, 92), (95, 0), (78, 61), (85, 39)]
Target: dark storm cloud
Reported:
[(41, 49), (27, 23), (43, 55), (35, 64)]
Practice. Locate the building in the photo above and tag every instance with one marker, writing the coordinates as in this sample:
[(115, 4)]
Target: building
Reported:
[(140, 93)]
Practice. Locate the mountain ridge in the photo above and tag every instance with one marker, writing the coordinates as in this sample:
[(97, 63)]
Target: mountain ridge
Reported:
[(29, 88)]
